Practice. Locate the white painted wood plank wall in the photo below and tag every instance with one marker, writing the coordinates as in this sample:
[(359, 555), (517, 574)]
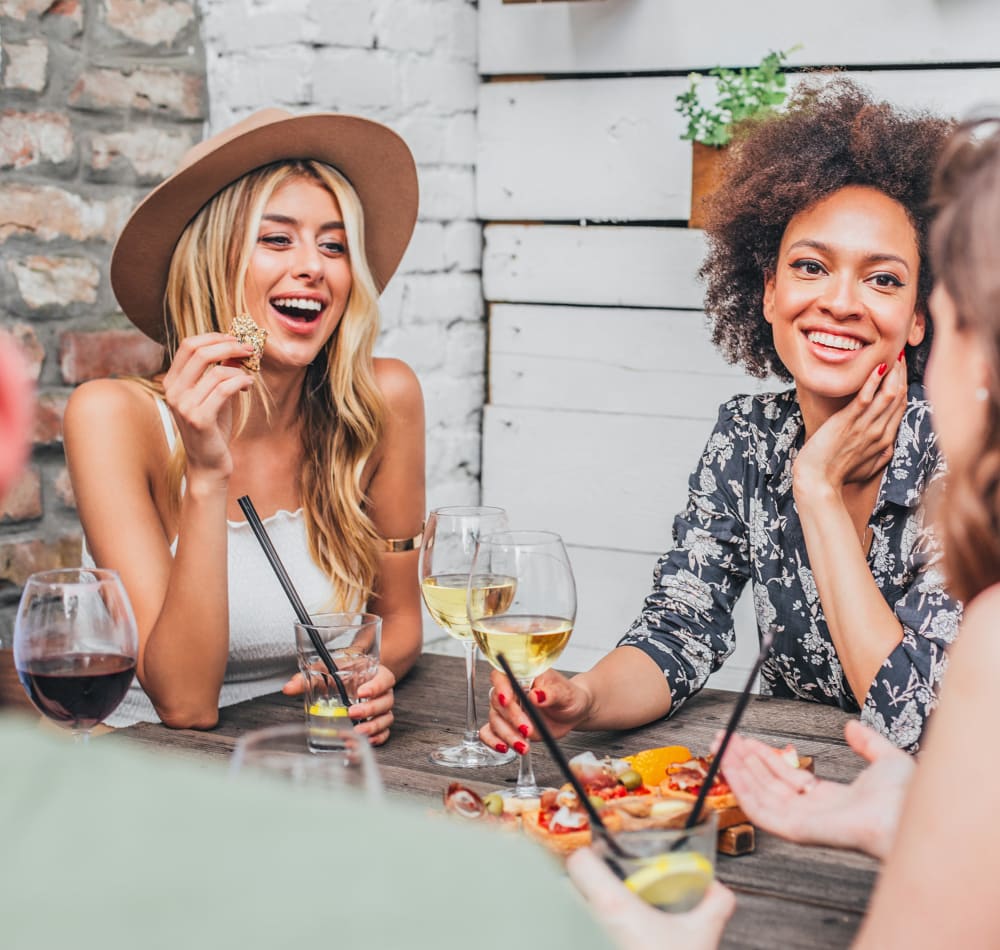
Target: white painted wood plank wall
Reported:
[(610, 148), (668, 35), (603, 384)]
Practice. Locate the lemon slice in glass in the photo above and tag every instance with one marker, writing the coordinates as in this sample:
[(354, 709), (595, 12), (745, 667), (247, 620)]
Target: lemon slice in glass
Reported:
[(674, 882), (328, 710)]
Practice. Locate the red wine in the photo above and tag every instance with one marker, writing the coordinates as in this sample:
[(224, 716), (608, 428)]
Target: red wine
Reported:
[(78, 689)]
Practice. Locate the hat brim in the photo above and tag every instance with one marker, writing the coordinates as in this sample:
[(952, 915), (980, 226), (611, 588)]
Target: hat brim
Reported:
[(373, 158)]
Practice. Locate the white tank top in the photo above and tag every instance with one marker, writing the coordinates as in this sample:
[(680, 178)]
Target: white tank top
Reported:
[(261, 635)]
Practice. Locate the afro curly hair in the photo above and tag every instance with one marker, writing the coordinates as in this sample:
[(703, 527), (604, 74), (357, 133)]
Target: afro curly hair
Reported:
[(833, 134)]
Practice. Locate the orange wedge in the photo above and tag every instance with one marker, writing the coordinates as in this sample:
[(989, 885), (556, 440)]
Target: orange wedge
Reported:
[(652, 764)]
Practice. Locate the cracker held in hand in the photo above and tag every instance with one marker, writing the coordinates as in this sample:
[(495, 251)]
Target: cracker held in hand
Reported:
[(246, 331)]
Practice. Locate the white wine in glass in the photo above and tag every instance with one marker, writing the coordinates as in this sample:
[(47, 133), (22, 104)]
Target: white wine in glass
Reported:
[(446, 553), (532, 629), (445, 597), (531, 644)]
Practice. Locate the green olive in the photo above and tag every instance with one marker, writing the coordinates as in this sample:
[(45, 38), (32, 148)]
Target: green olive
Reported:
[(631, 779), (596, 801), (494, 804)]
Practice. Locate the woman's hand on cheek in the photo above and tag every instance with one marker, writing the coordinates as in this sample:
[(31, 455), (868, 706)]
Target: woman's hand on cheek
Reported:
[(856, 443)]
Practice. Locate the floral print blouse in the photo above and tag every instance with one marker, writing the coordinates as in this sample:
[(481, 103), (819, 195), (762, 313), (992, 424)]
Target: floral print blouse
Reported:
[(741, 524)]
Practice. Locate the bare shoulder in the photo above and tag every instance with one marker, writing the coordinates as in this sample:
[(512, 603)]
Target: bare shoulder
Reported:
[(101, 400), (399, 386), (104, 412), (978, 635), (984, 605)]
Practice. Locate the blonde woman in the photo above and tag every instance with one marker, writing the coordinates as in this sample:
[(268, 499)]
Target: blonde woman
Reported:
[(297, 222)]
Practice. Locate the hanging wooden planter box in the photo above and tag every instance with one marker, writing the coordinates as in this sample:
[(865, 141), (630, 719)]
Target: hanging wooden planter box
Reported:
[(706, 170)]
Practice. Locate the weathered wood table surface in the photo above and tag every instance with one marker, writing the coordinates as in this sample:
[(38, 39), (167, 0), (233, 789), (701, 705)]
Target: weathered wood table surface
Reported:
[(787, 896)]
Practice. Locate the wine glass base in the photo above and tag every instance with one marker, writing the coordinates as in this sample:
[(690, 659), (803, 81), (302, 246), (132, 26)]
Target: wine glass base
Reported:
[(471, 756), (525, 792)]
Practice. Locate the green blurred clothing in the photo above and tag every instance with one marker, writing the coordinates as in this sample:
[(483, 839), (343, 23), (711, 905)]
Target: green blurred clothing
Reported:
[(107, 846)]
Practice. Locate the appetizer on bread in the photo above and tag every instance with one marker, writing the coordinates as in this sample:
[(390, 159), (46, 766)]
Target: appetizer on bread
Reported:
[(246, 331)]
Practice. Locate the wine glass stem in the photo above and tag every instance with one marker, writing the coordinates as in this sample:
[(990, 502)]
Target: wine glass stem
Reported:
[(81, 737), (527, 787), (471, 721)]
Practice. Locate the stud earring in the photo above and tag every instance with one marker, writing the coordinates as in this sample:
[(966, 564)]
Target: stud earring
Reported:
[(982, 393)]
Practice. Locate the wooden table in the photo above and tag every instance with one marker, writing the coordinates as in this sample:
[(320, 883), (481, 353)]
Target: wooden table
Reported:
[(787, 896)]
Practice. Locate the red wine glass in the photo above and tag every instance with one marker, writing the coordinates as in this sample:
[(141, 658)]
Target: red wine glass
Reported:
[(75, 645)]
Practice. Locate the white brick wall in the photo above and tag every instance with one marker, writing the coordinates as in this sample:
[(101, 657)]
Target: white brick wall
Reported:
[(412, 65)]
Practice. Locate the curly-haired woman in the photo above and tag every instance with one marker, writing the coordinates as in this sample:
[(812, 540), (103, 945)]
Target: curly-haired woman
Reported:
[(817, 273), (298, 222)]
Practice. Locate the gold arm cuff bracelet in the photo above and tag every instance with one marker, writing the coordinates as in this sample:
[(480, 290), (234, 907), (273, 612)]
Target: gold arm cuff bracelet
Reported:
[(395, 545)]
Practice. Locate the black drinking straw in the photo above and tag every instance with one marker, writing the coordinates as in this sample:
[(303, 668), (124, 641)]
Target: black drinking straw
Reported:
[(596, 823), (734, 721), (253, 519)]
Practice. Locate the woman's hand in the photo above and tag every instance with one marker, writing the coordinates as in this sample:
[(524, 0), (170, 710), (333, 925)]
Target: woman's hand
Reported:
[(562, 702), (376, 708), (796, 805), (198, 388), (373, 712), (631, 922), (856, 442)]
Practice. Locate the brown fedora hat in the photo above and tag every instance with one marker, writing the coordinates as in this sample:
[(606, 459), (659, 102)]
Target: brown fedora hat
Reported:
[(373, 158)]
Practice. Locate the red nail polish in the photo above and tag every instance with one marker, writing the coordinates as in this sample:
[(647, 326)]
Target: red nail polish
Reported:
[(524, 729), (882, 368), (520, 748), (501, 699), (902, 353), (501, 747), (539, 695)]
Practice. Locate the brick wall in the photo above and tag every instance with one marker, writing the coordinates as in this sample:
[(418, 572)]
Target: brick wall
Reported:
[(98, 100)]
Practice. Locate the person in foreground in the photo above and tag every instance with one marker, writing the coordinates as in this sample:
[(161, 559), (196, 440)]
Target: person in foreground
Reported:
[(817, 273), (297, 223), (15, 413), (936, 887)]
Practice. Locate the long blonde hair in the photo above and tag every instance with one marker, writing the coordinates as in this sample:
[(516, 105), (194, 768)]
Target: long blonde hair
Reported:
[(340, 403), (965, 246)]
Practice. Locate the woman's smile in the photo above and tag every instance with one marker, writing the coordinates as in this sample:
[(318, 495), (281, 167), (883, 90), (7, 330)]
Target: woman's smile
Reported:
[(298, 313)]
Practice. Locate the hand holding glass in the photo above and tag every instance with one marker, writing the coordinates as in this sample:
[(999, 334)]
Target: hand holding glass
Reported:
[(75, 645), (353, 642), (670, 868), (534, 626)]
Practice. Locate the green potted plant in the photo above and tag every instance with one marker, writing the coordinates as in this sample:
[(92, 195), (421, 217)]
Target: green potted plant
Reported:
[(749, 93)]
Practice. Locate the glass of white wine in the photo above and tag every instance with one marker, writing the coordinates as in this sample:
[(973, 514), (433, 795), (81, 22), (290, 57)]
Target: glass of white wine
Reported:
[(534, 625), (446, 553)]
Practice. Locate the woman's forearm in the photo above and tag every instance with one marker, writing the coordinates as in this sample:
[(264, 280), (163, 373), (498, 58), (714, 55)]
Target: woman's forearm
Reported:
[(862, 625), (402, 639), (625, 689), (188, 646)]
